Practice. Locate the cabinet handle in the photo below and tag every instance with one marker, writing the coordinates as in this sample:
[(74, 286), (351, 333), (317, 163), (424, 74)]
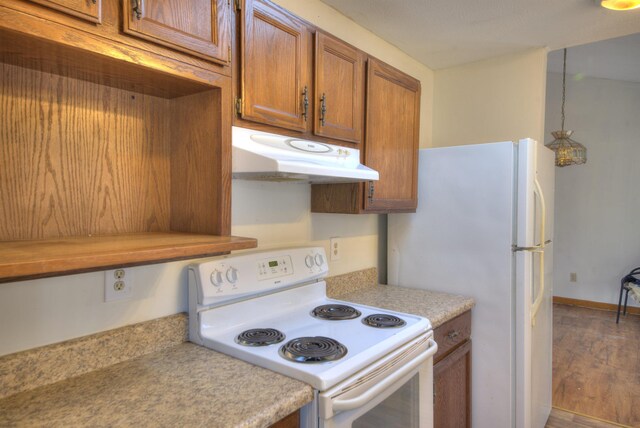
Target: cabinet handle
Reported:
[(137, 8), (323, 108), (305, 102), (453, 334)]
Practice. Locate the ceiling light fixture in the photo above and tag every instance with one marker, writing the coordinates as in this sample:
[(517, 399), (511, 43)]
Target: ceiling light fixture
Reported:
[(620, 4), (568, 152)]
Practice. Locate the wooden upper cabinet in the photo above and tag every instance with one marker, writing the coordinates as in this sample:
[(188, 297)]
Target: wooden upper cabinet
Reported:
[(198, 27), (392, 132), (275, 67), (89, 10), (339, 89)]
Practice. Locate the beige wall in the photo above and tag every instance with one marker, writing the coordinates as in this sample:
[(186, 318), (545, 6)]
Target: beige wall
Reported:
[(332, 21), (39, 312), (499, 99)]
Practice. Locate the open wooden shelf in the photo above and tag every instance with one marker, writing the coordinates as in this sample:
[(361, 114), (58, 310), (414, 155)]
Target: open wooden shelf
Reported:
[(109, 155), (21, 260)]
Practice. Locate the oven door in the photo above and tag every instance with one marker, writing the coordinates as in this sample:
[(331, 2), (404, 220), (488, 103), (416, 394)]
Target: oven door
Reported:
[(396, 391)]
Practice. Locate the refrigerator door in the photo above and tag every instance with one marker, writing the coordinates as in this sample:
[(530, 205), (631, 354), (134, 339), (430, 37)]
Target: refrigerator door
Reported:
[(532, 282), (541, 297), (459, 241)]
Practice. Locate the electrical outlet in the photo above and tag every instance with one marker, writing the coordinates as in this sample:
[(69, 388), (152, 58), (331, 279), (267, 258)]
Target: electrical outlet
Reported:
[(335, 245), (573, 277), (118, 284)]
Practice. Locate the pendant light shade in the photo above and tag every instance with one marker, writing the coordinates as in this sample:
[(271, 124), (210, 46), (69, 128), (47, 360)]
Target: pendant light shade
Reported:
[(568, 152)]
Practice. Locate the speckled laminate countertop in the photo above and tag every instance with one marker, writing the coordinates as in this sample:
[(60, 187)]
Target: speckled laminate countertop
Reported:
[(437, 307), (185, 385), (361, 287)]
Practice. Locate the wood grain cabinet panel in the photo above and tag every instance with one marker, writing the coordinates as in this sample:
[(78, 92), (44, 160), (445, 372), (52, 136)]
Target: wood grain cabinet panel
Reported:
[(275, 67), (452, 389), (452, 373), (89, 10), (391, 147), (392, 108), (452, 334), (339, 89), (291, 421), (198, 27)]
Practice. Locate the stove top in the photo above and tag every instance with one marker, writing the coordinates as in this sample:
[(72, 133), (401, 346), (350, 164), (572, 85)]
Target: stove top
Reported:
[(290, 313), (295, 330)]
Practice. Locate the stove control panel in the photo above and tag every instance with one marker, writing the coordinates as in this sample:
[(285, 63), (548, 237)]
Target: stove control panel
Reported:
[(239, 276), (275, 267)]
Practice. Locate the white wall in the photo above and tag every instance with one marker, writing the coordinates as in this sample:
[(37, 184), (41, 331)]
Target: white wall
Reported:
[(39, 312), (597, 204), (498, 99)]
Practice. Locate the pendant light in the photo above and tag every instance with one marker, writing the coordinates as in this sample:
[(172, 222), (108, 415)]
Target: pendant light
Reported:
[(568, 151), (620, 4)]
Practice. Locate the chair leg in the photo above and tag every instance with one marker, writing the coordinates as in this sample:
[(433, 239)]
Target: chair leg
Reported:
[(626, 298), (620, 301)]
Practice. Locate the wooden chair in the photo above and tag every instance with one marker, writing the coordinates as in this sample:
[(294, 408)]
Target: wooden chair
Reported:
[(632, 277)]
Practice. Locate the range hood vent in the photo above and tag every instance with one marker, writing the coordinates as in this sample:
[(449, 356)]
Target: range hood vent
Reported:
[(270, 157)]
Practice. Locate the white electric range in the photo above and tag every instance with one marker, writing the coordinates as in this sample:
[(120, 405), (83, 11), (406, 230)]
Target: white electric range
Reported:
[(271, 309)]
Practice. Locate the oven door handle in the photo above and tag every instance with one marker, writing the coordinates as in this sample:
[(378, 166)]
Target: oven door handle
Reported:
[(353, 403)]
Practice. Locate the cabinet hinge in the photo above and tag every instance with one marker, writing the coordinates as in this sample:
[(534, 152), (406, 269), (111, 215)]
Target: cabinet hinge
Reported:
[(371, 190), (237, 5), (238, 106)]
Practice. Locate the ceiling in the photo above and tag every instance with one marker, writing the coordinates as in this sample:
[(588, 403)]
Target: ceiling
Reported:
[(446, 33), (617, 59)]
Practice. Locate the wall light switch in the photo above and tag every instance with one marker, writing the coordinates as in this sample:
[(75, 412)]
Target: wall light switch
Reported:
[(573, 277)]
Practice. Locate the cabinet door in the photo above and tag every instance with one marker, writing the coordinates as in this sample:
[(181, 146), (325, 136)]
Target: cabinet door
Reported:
[(391, 141), (339, 90), (275, 67), (89, 10), (198, 27), (452, 389)]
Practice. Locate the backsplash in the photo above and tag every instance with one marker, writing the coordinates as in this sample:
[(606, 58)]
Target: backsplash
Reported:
[(41, 366), (352, 281)]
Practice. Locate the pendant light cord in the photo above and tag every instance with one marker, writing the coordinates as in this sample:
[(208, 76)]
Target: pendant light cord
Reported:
[(564, 77)]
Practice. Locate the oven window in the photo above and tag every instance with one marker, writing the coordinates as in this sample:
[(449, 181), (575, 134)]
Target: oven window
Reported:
[(400, 410)]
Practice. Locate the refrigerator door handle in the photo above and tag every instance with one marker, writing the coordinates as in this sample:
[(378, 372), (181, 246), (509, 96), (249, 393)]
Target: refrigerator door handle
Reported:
[(536, 248), (543, 211)]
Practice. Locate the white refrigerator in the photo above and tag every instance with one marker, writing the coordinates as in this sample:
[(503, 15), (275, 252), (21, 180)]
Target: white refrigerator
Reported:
[(484, 228)]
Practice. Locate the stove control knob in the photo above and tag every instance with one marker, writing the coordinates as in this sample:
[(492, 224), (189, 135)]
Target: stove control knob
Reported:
[(308, 261), (216, 278), (319, 259), (232, 275)]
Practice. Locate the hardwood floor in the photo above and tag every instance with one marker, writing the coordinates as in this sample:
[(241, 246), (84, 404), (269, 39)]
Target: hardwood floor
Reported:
[(561, 419), (596, 364)]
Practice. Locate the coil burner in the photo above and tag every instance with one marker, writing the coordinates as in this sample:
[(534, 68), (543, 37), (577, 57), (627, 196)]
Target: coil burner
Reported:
[(335, 312), (316, 349), (384, 321), (260, 337)]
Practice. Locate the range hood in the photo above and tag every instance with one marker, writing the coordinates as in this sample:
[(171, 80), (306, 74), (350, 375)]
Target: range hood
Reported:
[(263, 156)]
